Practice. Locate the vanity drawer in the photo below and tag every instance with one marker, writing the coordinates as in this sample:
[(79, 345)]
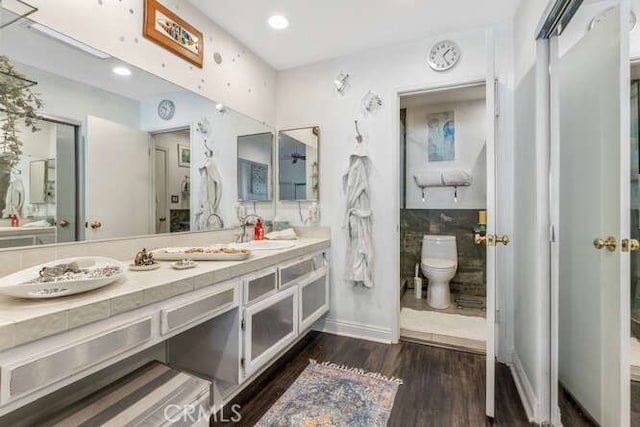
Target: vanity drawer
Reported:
[(45, 370), (199, 308), (260, 285), (295, 270)]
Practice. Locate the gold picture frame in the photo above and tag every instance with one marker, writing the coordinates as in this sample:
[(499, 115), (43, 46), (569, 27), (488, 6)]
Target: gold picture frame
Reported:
[(171, 32)]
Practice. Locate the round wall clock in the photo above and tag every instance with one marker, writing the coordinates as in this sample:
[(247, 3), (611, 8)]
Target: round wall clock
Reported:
[(444, 55), (166, 109)]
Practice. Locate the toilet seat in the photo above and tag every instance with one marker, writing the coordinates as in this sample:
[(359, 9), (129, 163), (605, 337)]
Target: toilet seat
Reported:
[(438, 263)]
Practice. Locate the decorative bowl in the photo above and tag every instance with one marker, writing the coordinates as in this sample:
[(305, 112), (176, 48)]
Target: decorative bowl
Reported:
[(94, 273)]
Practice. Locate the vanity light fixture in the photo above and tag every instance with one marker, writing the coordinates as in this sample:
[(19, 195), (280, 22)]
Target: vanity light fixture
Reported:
[(68, 40), (278, 22), (122, 71), (341, 82)]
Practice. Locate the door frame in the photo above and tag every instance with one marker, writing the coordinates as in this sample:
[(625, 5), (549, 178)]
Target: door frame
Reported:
[(400, 92), (166, 189), (153, 146), (488, 78)]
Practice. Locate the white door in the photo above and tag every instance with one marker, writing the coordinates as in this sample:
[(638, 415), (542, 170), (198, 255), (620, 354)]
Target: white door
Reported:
[(118, 184), (590, 211), (161, 211), (492, 238)]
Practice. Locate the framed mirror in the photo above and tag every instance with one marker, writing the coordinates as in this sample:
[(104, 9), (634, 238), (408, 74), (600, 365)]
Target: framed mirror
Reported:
[(173, 149), (298, 164), (254, 167)]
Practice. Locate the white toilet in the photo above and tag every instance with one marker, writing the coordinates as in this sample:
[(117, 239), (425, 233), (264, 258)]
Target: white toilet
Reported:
[(439, 264)]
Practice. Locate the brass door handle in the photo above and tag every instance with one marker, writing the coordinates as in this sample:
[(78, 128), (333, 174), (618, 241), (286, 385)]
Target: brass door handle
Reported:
[(610, 243), (630, 245), (94, 224), (479, 238), (63, 223), (504, 240)]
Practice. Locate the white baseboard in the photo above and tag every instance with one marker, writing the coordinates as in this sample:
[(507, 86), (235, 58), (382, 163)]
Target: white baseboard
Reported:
[(354, 330), (527, 395)]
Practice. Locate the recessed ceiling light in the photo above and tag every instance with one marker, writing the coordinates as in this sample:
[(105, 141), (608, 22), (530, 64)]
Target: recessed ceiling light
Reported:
[(122, 71), (278, 22)]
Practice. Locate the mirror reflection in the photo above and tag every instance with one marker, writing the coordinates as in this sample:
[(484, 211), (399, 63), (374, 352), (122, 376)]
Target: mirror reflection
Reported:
[(118, 153), (298, 164), (254, 167)]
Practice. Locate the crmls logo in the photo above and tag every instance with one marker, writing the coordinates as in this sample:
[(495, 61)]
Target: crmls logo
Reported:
[(191, 413)]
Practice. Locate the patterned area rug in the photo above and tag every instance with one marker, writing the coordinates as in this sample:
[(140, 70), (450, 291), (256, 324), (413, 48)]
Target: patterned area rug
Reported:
[(331, 395)]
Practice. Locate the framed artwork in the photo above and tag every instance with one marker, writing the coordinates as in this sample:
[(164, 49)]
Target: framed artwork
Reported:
[(441, 142), (184, 156), (171, 32)]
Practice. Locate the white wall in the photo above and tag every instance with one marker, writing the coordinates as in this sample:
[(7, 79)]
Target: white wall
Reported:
[(243, 81), (531, 221), (470, 156), (306, 97)]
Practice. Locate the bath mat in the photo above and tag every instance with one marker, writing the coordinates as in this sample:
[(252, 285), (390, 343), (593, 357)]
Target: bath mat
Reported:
[(453, 325), (326, 394)]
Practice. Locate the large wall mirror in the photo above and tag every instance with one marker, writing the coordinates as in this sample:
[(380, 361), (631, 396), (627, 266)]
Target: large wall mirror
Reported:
[(254, 167), (298, 164), (120, 152)]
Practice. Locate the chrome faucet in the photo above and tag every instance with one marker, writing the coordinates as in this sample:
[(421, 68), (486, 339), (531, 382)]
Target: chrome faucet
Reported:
[(242, 238)]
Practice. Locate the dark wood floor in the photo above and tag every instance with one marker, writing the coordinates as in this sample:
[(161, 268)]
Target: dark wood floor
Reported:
[(441, 387), (573, 414)]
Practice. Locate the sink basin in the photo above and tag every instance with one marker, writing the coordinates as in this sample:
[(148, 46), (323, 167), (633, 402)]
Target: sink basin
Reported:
[(266, 245)]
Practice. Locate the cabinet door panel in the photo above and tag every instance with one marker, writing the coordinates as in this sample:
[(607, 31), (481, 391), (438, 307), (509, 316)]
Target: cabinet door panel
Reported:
[(271, 325)]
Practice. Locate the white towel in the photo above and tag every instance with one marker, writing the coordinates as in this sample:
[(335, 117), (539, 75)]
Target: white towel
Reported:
[(428, 178), (456, 177), (286, 234)]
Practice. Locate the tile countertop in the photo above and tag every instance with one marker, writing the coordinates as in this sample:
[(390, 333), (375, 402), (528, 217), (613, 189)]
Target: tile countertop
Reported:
[(26, 320)]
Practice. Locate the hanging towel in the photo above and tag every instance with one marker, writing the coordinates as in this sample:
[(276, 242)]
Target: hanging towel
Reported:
[(428, 178), (210, 192), (359, 257), (456, 177), (15, 198)]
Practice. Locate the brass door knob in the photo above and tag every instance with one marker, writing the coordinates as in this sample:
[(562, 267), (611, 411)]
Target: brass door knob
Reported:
[(479, 238), (630, 245), (610, 243), (94, 224), (63, 223), (504, 240)]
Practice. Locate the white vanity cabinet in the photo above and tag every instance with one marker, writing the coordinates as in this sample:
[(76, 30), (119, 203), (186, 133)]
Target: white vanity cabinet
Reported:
[(272, 324), (225, 331)]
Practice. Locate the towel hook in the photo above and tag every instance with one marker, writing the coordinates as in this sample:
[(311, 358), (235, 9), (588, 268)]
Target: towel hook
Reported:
[(208, 151), (203, 128), (358, 134)]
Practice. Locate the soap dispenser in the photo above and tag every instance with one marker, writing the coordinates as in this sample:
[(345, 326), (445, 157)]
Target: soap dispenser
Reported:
[(258, 231)]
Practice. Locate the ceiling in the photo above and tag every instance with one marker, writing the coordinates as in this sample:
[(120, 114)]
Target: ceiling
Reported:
[(30, 47), (326, 29)]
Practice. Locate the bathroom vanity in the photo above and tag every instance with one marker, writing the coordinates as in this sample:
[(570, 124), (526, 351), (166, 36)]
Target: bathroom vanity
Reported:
[(225, 322)]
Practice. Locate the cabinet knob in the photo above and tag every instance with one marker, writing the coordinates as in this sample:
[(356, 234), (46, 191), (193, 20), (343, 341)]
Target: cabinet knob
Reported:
[(94, 224)]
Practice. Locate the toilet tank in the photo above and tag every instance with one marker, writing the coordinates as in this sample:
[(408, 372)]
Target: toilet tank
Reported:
[(441, 247)]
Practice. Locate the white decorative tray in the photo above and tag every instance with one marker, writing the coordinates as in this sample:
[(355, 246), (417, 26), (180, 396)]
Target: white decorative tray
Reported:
[(197, 253), (92, 273)]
